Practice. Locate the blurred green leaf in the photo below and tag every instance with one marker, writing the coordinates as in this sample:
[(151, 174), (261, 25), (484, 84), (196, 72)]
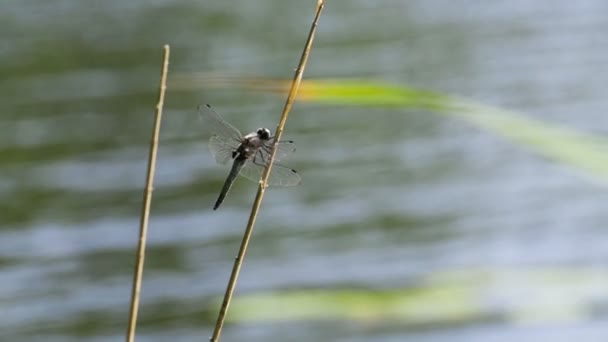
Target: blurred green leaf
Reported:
[(444, 298), (558, 143)]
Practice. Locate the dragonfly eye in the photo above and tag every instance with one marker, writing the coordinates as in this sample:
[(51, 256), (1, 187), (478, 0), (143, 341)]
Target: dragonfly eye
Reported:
[(264, 133)]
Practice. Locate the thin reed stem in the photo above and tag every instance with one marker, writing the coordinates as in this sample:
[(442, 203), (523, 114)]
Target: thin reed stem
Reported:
[(238, 261), (145, 212)]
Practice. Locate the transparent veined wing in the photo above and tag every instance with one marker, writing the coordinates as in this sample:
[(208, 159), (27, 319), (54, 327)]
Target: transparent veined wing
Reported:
[(286, 149), (217, 126), (279, 175), (221, 149)]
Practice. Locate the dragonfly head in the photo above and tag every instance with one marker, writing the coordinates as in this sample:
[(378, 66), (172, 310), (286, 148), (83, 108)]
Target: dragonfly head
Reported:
[(263, 133)]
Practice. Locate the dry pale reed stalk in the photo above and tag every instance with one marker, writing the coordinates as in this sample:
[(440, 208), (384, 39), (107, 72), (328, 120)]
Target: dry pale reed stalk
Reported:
[(263, 182), (145, 212)]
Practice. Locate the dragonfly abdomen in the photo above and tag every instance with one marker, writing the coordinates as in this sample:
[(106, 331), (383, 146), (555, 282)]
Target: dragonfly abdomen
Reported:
[(234, 171)]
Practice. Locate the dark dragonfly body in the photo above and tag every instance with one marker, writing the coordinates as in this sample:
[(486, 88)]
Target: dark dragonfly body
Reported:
[(247, 150), (248, 154)]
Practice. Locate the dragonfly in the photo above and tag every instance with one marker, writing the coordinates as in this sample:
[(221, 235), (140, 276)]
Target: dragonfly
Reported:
[(249, 153)]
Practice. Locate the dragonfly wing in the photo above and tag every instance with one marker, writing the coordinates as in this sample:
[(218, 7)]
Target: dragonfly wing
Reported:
[(283, 176), (216, 125), (285, 149), (279, 176), (221, 149)]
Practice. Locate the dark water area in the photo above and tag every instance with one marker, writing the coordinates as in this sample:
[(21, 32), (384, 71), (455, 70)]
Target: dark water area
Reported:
[(390, 199)]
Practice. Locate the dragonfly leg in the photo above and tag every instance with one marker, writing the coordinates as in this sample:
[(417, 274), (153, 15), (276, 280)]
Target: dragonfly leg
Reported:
[(268, 149), (261, 155)]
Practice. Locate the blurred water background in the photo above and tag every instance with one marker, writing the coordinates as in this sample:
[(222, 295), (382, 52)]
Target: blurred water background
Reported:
[(391, 200)]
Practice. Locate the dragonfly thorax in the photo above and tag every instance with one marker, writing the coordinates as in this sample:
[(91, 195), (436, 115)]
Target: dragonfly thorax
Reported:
[(251, 143)]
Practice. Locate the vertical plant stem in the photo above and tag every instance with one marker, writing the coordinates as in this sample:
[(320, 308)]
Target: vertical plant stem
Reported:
[(264, 181), (145, 212)]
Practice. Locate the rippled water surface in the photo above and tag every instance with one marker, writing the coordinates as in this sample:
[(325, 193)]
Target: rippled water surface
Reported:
[(390, 199)]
